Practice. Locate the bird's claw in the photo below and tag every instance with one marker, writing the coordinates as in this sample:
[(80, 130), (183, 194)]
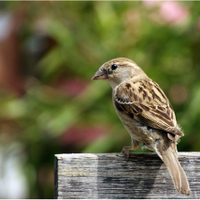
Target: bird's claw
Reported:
[(126, 150)]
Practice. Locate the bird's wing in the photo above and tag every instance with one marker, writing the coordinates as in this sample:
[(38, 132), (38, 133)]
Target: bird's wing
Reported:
[(145, 102)]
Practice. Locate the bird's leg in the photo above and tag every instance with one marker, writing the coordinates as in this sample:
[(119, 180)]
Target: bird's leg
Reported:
[(126, 149)]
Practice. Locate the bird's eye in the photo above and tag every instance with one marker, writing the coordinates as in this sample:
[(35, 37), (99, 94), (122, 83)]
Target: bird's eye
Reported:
[(114, 66)]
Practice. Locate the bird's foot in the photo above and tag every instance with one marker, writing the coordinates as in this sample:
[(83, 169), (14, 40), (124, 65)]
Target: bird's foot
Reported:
[(126, 150)]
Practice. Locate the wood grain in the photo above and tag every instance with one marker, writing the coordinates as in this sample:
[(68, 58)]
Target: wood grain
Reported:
[(100, 176)]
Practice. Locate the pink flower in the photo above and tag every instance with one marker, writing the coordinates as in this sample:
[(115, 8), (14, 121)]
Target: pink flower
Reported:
[(173, 12), (72, 86), (168, 12), (82, 135)]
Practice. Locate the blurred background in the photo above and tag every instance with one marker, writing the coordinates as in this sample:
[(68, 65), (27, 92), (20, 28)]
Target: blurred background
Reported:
[(48, 104)]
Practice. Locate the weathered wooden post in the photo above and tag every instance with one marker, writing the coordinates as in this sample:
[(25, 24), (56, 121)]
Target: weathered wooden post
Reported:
[(110, 176)]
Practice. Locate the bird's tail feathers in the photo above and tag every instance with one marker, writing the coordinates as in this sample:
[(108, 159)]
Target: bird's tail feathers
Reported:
[(169, 157)]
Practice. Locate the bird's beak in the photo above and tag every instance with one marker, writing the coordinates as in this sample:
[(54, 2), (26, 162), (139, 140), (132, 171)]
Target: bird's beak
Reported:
[(100, 75)]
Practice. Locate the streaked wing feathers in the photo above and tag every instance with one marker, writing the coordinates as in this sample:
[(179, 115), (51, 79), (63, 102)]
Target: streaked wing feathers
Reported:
[(146, 102)]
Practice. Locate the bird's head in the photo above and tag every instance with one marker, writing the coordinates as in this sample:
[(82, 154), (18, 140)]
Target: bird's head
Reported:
[(117, 71)]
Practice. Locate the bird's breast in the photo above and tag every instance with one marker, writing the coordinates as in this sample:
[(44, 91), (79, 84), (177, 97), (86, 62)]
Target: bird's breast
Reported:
[(137, 130)]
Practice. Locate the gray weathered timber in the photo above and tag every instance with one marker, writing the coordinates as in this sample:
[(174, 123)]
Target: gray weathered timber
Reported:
[(110, 176)]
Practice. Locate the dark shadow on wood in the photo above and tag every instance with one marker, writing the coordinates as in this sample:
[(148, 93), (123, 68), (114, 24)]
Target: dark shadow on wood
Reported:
[(55, 177), (141, 172)]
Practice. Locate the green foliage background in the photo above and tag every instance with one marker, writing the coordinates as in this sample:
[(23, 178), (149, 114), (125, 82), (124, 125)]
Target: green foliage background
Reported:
[(87, 34)]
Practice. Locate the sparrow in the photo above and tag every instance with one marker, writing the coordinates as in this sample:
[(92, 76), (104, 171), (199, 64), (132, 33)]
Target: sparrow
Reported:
[(146, 113)]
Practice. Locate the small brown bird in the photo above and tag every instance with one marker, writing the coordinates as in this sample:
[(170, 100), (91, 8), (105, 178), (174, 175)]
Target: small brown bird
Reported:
[(146, 114)]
